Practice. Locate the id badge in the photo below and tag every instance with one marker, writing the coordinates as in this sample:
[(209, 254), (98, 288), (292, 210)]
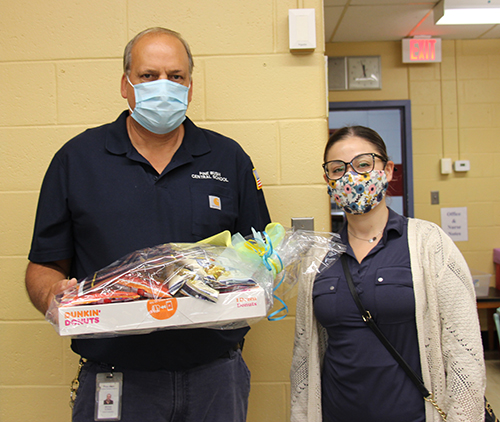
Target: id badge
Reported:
[(108, 396)]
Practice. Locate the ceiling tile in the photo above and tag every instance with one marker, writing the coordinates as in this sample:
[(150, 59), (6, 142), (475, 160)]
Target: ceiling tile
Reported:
[(332, 16), (390, 20), (379, 23)]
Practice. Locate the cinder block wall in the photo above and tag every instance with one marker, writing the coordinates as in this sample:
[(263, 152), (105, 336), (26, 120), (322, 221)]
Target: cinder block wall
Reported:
[(60, 70), (60, 67)]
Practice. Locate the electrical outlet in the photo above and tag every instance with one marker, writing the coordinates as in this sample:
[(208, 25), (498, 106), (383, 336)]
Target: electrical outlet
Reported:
[(305, 223), (434, 197)]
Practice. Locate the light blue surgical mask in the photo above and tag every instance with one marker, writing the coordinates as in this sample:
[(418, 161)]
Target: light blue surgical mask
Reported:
[(160, 106)]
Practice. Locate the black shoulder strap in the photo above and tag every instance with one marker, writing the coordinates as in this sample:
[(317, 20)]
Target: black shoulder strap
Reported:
[(374, 327)]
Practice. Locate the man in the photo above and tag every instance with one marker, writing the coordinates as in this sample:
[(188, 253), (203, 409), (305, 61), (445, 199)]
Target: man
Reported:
[(108, 399), (148, 178)]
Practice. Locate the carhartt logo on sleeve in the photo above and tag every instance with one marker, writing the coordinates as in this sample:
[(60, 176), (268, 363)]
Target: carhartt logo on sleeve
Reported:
[(214, 202), (257, 179)]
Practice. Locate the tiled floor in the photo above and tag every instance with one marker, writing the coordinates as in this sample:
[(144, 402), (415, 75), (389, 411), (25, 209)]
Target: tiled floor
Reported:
[(493, 384)]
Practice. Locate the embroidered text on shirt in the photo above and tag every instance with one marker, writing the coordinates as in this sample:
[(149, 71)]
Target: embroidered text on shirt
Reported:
[(215, 175)]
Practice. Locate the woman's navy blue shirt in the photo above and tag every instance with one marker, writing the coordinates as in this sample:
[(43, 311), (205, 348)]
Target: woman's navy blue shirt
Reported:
[(361, 381)]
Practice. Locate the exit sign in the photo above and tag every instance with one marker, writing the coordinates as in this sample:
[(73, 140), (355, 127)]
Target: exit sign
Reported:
[(421, 50)]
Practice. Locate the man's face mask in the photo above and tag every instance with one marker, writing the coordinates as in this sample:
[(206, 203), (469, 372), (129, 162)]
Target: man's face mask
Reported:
[(160, 106)]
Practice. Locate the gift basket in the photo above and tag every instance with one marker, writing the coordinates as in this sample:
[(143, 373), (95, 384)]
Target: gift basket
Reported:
[(223, 282)]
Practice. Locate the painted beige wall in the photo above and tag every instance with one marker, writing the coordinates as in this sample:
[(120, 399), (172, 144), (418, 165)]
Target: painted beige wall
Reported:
[(60, 67), (60, 70)]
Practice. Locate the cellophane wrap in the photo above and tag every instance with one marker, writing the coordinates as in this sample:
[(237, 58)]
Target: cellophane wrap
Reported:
[(211, 271)]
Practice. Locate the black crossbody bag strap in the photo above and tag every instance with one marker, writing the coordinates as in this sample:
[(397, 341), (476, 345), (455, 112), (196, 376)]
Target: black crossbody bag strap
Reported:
[(367, 318)]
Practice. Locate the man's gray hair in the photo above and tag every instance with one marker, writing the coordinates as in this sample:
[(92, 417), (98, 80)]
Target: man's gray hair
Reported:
[(127, 54)]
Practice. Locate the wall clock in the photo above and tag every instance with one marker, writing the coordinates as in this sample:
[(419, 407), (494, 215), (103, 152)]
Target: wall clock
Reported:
[(364, 72), (337, 73)]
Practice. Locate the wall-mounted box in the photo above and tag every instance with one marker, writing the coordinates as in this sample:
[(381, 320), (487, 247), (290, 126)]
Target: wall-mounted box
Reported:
[(445, 165), (302, 29), (461, 165)]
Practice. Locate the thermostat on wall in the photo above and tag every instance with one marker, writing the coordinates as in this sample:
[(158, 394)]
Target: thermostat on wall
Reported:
[(461, 165)]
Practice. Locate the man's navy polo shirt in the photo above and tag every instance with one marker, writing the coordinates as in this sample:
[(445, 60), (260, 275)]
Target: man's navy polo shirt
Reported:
[(101, 200)]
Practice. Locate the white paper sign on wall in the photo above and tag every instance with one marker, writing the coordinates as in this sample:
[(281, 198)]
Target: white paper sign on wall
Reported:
[(454, 223)]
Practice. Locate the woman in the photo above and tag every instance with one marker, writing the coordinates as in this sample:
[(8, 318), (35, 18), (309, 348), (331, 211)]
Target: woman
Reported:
[(417, 286)]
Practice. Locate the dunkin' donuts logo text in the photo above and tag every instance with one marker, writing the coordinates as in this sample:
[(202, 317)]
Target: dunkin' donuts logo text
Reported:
[(245, 302), (82, 317)]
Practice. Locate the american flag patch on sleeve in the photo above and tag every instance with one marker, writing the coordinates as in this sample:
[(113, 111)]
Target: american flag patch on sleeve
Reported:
[(257, 179)]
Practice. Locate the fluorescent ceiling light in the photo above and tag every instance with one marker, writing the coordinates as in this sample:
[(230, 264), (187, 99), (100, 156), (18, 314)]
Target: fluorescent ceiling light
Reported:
[(467, 12)]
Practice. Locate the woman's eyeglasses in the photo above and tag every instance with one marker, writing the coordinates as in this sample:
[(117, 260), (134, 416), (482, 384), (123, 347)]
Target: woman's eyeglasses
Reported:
[(361, 164)]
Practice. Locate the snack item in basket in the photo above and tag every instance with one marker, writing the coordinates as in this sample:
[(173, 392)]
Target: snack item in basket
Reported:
[(196, 288), (98, 298)]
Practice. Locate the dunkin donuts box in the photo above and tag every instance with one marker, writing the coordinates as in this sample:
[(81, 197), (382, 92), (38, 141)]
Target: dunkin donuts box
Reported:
[(142, 316)]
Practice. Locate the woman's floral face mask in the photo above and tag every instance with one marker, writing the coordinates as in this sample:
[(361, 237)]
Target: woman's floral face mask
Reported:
[(359, 193)]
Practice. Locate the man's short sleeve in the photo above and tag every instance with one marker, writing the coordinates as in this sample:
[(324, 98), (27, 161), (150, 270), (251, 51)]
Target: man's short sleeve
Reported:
[(52, 238)]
